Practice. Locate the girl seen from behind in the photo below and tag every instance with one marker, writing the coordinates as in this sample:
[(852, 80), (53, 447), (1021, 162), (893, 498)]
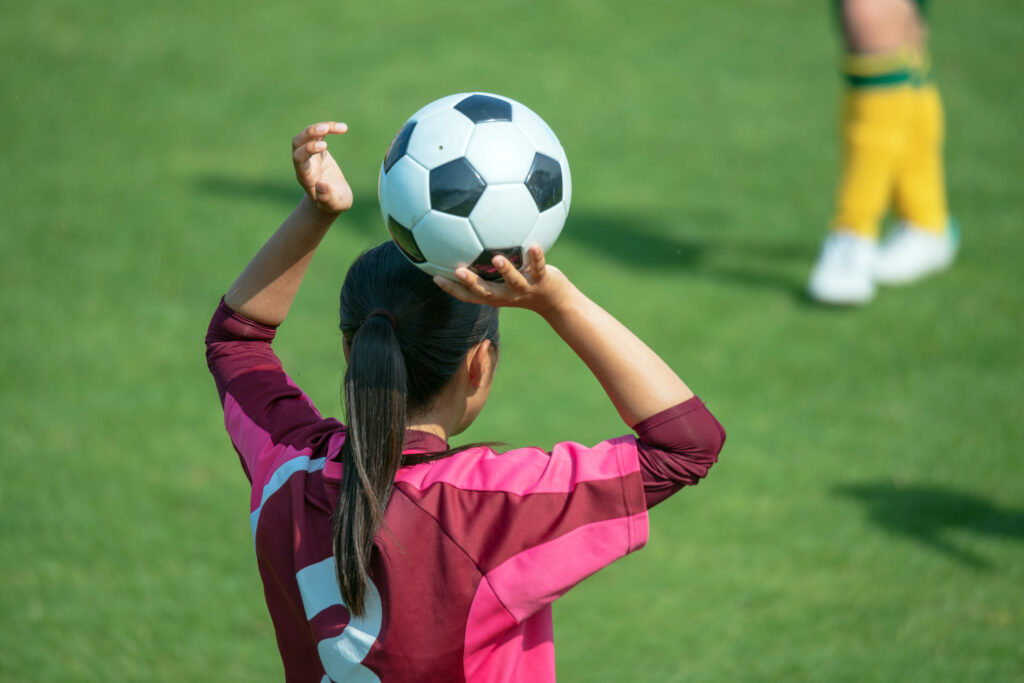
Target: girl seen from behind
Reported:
[(385, 554)]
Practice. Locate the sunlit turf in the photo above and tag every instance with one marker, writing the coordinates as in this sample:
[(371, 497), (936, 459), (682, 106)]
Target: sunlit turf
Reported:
[(866, 520)]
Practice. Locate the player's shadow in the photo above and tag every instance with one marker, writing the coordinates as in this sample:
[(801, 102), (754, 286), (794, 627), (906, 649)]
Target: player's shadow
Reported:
[(364, 214), (688, 241), (762, 264), (632, 237), (927, 514), (622, 236)]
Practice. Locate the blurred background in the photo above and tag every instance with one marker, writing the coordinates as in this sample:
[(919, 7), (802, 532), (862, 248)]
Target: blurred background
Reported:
[(866, 521)]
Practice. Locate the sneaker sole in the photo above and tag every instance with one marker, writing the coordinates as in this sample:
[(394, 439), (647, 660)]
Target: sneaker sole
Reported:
[(858, 300)]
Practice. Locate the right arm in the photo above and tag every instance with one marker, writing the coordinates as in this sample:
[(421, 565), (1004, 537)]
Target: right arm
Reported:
[(638, 382), (678, 439)]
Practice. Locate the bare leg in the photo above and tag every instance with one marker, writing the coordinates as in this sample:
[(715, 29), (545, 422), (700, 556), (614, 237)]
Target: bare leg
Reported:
[(880, 25)]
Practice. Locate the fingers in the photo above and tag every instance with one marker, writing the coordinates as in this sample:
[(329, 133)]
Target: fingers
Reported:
[(311, 141), (471, 287), (301, 155), (308, 144), (512, 277), (537, 263), (536, 287), (473, 283), (318, 131), (456, 289), (317, 171)]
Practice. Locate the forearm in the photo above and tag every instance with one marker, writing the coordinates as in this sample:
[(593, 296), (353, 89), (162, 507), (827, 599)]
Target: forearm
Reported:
[(266, 288), (638, 382)]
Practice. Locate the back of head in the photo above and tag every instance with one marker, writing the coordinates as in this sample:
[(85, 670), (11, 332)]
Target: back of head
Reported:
[(434, 330), (405, 338)]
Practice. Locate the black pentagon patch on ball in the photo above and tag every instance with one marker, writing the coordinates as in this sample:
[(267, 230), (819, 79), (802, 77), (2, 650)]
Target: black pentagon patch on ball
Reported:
[(455, 187), (396, 150), (486, 270), (544, 181), (405, 241), (480, 108)]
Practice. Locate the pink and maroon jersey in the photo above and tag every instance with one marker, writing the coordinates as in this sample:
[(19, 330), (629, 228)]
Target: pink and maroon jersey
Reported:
[(474, 547)]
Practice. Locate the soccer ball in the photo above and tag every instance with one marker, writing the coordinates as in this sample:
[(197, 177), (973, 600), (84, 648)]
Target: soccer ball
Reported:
[(470, 176)]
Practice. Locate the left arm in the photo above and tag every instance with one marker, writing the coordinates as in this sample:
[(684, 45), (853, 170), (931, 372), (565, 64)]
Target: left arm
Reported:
[(267, 416), (266, 288)]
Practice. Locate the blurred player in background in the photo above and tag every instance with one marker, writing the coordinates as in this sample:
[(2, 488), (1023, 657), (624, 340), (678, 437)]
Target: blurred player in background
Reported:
[(892, 134)]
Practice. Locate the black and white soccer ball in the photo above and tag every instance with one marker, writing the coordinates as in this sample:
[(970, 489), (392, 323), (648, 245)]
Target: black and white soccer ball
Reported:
[(470, 176)]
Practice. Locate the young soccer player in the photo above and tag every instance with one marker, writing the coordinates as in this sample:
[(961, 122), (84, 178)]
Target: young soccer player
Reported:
[(385, 554), (892, 134)]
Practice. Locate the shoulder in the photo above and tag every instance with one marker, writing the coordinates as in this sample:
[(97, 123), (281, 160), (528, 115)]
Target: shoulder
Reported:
[(523, 471)]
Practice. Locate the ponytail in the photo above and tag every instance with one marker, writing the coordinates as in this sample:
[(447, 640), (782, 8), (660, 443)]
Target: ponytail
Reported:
[(406, 338), (375, 400)]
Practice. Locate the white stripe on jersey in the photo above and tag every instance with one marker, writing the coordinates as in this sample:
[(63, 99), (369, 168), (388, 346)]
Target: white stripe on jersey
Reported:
[(277, 480), (343, 654)]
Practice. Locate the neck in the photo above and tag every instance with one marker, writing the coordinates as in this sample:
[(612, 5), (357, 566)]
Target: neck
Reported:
[(430, 428), (443, 418)]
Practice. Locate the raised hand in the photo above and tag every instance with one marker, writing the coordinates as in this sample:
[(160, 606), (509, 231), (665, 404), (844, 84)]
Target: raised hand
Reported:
[(638, 382), (317, 171), (538, 287)]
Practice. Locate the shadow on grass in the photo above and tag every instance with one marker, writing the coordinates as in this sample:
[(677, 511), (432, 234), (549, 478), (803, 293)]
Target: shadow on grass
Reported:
[(927, 513), (364, 213), (701, 241), (634, 238), (641, 240)]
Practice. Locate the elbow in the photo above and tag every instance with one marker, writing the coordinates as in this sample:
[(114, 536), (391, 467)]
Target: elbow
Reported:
[(705, 440), (708, 447), (715, 441), (704, 434)]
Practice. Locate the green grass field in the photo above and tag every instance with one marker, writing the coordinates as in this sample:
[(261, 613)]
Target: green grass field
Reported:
[(866, 522)]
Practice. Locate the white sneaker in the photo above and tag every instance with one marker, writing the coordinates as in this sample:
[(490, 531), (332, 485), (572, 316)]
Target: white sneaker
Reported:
[(910, 253), (844, 273)]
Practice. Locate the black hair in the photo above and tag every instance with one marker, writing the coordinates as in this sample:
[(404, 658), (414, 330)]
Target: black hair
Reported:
[(405, 338)]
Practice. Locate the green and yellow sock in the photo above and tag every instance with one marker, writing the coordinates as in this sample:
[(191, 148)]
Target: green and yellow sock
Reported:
[(920, 192), (877, 111)]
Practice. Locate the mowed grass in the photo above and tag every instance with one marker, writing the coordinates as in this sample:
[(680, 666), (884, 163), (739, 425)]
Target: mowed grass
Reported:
[(866, 522)]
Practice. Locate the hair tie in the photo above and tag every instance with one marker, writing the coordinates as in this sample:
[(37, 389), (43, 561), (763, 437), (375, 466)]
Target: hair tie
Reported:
[(385, 313)]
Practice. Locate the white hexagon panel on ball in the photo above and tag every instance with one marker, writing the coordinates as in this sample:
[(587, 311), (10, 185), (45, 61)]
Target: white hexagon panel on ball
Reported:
[(446, 239), (504, 216), (500, 152), (440, 137)]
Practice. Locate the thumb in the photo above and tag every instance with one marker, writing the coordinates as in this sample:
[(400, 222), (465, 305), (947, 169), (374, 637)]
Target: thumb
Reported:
[(323, 195), (327, 198)]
